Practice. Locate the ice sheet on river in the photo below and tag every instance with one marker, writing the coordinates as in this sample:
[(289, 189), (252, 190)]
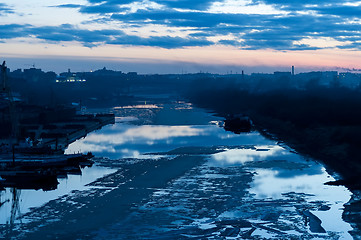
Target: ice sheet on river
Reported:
[(261, 196), (226, 198)]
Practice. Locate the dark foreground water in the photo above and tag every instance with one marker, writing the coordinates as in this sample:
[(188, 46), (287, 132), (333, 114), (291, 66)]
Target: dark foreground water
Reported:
[(171, 172)]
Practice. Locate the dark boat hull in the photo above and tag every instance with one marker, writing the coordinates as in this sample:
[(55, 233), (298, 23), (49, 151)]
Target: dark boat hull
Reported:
[(45, 180)]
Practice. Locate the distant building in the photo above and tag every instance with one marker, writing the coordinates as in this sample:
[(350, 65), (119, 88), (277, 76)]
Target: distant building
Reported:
[(282, 74), (322, 78), (69, 77), (266, 75), (350, 80), (18, 73), (132, 73), (105, 72), (33, 74)]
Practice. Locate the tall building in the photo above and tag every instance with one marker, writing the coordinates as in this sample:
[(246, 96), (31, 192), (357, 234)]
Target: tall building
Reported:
[(293, 70)]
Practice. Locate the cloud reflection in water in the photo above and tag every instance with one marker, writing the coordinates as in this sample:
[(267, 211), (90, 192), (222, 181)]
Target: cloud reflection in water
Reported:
[(111, 141), (143, 133), (243, 155)]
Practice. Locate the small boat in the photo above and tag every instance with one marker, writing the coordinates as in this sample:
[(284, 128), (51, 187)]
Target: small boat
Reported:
[(45, 179), (33, 161)]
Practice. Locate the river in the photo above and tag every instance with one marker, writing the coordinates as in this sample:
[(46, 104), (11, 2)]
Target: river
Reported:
[(170, 171)]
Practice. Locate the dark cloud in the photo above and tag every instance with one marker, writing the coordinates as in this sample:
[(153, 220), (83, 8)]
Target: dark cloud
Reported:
[(5, 9), (112, 2), (181, 4), (279, 32), (230, 42), (282, 33), (67, 32), (91, 38), (113, 6), (68, 6), (101, 9), (187, 4), (295, 5), (9, 31), (174, 18), (250, 31), (326, 7), (163, 42), (342, 11)]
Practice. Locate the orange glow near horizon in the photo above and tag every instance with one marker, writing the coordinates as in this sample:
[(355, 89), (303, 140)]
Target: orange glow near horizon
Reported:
[(214, 55)]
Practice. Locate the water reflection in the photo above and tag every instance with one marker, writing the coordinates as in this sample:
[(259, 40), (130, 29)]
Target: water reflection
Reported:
[(280, 175), (14, 206), (268, 184), (247, 154), (144, 106), (119, 140)]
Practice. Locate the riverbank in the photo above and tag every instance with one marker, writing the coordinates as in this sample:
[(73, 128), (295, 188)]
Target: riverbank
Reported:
[(341, 159), (323, 124)]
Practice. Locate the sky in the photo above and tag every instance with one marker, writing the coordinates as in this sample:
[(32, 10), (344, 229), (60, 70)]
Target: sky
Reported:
[(178, 36)]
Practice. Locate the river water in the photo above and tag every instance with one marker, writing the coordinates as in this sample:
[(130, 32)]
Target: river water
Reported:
[(172, 172)]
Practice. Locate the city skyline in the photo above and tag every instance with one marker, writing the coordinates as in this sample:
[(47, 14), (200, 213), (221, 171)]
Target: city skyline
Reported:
[(164, 36)]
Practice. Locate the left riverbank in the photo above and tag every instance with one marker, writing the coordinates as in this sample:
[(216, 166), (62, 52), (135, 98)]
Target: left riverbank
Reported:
[(32, 154)]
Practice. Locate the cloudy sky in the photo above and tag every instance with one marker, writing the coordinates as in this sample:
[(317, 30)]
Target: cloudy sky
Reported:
[(181, 35)]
